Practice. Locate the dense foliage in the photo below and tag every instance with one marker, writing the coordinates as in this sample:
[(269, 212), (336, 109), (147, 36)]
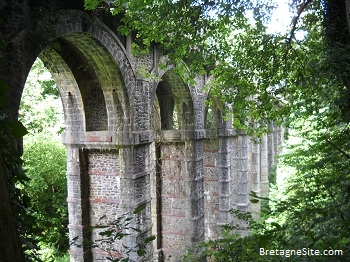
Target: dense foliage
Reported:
[(45, 165)]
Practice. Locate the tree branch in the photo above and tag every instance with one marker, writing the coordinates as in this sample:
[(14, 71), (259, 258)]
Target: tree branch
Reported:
[(295, 20), (338, 148)]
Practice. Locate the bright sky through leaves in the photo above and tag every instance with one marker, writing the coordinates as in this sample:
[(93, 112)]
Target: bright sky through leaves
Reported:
[(281, 18)]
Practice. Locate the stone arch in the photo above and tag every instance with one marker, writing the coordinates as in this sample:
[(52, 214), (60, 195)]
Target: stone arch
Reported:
[(117, 50), (173, 103), (214, 110), (122, 96), (109, 60), (66, 25), (213, 114), (68, 89), (74, 21), (101, 83)]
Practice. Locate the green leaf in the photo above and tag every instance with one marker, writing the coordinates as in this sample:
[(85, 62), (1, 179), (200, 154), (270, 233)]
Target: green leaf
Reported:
[(141, 252), (150, 239), (135, 229), (106, 233), (139, 209), (91, 4)]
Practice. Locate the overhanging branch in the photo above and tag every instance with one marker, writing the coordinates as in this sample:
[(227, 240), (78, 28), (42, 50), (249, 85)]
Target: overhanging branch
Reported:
[(296, 19)]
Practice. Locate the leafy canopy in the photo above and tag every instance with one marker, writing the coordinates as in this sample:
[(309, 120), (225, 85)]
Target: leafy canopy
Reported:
[(224, 39)]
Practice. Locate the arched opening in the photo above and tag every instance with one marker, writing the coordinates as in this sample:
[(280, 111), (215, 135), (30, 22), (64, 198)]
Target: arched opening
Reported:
[(166, 104), (213, 115), (44, 157), (174, 102)]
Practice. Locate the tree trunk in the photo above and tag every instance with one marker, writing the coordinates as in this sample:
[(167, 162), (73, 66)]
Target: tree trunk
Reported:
[(347, 3), (10, 245)]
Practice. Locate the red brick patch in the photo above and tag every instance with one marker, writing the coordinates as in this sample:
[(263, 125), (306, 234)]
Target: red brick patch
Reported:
[(98, 139)]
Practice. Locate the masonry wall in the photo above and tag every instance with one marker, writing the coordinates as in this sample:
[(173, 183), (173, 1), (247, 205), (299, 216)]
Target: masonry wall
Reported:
[(211, 187), (175, 207), (104, 187)]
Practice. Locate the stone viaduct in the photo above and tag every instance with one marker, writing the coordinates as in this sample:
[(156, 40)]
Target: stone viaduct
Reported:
[(132, 139)]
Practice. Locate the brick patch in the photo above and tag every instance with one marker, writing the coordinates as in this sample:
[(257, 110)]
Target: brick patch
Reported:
[(98, 139)]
